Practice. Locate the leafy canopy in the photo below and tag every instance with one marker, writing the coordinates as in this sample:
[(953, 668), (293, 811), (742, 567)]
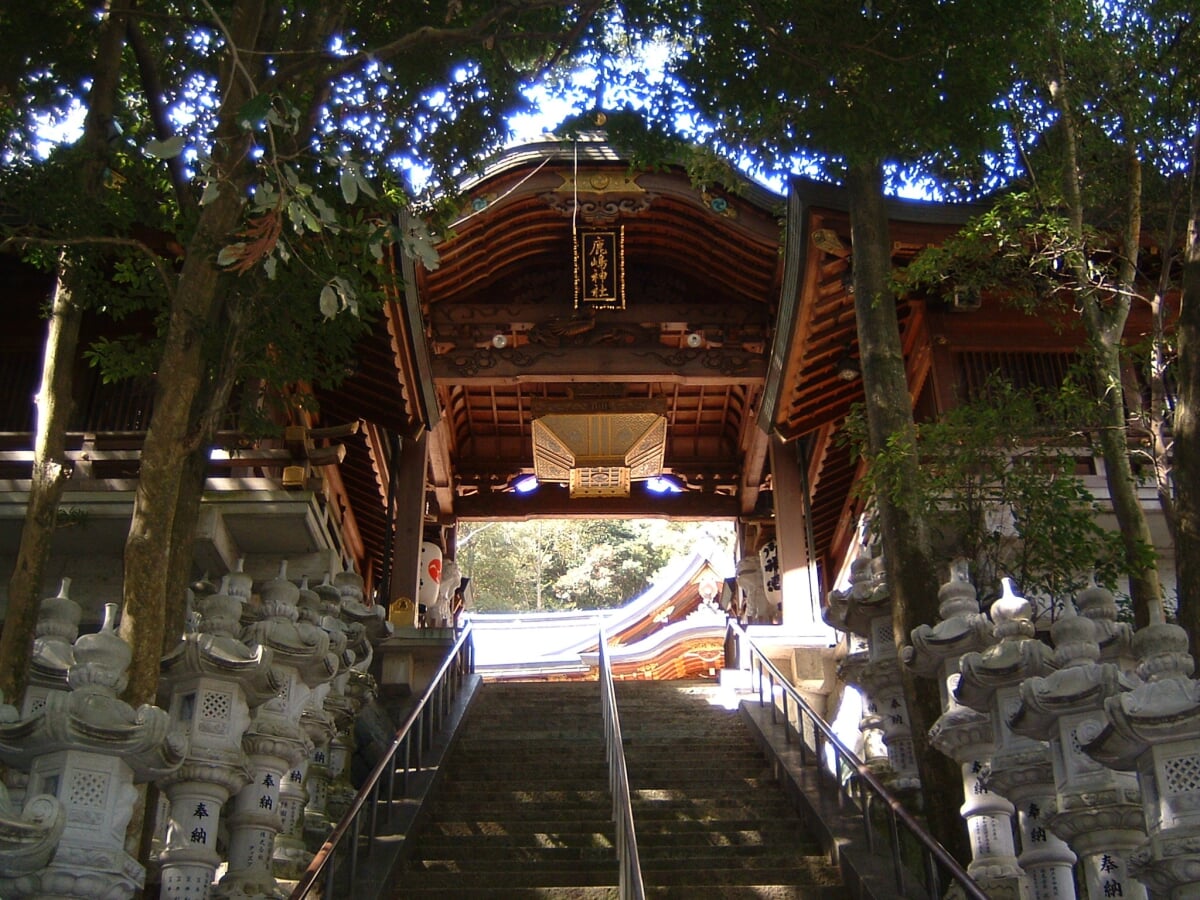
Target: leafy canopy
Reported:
[(999, 481), (345, 107)]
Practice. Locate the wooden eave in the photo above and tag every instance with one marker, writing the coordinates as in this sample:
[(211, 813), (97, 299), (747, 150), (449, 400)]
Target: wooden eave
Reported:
[(805, 399), (701, 261)]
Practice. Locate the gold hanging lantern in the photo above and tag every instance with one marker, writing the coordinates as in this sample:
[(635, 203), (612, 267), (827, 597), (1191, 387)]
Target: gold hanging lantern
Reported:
[(598, 446)]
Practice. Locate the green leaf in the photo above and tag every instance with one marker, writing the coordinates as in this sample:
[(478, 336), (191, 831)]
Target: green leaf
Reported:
[(326, 214), (254, 110), (296, 212), (231, 254), (168, 149), (212, 190), (349, 184), (328, 302), (310, 221), (363, 184), (418, 243)]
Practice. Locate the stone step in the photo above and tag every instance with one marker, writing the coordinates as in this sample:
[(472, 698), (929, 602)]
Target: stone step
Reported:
[(749, 892), (567, 787), (561, 813), (520, 746), (518, 793), (701, 874), (523, 809), (578, 844), (590, 822), (503, 857), (525, 875), (712, 892), (562, 869), (654, 833), (651, 803), (521, 770), (704, 857), (740, 828)]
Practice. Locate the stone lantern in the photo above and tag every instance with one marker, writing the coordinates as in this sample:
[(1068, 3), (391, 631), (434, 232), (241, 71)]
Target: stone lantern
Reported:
[(29, 835), (53, 655), (275, 741), (964, 734), (309, 775), (870, 725), (353, 688), (53, 651), (87, 748), (866, 609), (1098, 810), (750, 580), (1116, 638), (211, 682), (1020, 768), (319, 720), (1154, 730)]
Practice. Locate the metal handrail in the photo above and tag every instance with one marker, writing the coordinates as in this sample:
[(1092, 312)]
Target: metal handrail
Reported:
[(864, 789), (630, 878), (404, 756)]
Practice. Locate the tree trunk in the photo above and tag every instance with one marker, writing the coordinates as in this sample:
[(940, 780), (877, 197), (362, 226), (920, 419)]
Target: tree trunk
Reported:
[(1158, 416), (1104, 321), (1144, 587), (174, 433), (170, 440), (54, 402), (1187, 422), (183, 533), (911, 572), (50, 473)]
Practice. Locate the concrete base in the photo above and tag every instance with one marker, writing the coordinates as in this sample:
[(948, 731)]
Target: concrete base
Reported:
[(411, 656)]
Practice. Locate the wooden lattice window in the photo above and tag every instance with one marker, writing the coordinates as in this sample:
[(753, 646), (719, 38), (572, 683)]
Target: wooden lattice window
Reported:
[(1022, 370)]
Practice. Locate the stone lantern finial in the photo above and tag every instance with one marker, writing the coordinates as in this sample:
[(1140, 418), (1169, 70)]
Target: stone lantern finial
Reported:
[(1074, 639), (958, 597), (101, 659), (1012, 614), (221, 613)]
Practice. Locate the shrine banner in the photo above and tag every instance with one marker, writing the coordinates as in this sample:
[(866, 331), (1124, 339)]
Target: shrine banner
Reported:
[(600, 268)]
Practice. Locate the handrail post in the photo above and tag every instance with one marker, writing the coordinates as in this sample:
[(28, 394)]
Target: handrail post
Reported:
[(897, 850), (391, 790), (373, 829), (407, 762)]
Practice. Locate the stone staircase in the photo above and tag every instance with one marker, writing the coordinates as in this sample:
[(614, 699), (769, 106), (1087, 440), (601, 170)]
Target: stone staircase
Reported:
[(522, 808), (711, 819)]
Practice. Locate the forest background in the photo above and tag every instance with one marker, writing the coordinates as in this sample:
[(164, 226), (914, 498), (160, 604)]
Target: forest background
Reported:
[(570, 564)]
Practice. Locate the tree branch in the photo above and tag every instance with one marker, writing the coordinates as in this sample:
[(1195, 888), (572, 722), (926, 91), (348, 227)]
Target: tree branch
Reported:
[(165, 274), (153, 91), (337, 66), (234, 51)]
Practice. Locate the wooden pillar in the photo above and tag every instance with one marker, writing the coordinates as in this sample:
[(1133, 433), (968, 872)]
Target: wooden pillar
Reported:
[(409, 480), (797, 567)]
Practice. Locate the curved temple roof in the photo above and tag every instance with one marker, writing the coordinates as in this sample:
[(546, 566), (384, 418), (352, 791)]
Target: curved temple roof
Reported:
[(735, 313)]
